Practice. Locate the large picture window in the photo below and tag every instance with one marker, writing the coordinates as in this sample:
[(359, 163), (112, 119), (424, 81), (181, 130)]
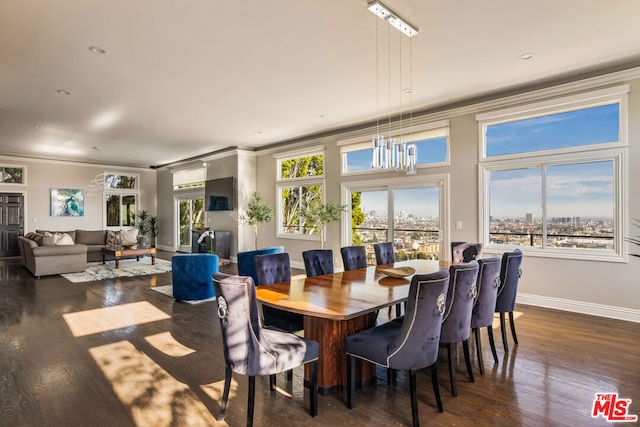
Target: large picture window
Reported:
[(121, 192), (552, 182), (300, 182)]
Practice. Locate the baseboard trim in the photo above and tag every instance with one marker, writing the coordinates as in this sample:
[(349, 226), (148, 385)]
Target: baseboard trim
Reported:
[(612, 312)]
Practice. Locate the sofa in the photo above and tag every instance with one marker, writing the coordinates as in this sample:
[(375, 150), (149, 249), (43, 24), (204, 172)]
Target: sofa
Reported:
[(45, 253)]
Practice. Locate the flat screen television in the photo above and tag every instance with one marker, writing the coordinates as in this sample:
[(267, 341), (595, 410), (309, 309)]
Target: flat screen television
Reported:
[(219, 194)]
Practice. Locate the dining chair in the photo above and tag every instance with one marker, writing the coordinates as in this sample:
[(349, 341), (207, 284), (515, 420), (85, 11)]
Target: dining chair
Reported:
[(510, 273), (384, 253), (410, 345), (353, 257), (249, 349), (485, 304), (270, 269), (465, 252), (246, 265), (456, 323), (318, 262)]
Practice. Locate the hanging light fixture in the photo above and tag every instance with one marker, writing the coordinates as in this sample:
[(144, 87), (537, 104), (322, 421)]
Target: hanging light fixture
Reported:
[(386, 152)]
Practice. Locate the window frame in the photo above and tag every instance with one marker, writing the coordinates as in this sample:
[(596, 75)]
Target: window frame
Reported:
[(24, 175), (120, 192), (610, 151)]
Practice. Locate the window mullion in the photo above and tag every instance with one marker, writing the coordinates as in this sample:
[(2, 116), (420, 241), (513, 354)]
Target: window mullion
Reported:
[(543, 171)]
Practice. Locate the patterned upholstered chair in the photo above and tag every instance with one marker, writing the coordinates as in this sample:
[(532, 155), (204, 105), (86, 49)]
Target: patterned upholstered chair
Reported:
[(465, 252), (246, 266), (274, 268), (510, 273), (457, 319), (353, 257), (318, 262), (384, 253), (485, 304), (250, 349), (410, 345)]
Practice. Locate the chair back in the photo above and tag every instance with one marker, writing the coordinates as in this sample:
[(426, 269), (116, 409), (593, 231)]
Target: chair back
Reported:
[(416, 346), (465, 252), (488, 282), (246, 266), (272, 268), (318, 262), (462, 292), (510, 273), (353, 257), (384, 253)]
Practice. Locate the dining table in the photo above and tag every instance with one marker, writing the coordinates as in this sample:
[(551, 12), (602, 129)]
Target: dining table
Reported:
[(337, 305)]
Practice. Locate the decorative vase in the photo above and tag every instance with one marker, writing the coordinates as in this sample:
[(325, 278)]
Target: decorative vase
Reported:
[(143, 242)]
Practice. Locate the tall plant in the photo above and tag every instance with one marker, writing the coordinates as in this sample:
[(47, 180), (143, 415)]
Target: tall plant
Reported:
[(143, 216), (153, 229), (320, 214), (257, 213)]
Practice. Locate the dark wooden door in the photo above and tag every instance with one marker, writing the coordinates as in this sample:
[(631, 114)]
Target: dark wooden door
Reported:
[(11, 223)]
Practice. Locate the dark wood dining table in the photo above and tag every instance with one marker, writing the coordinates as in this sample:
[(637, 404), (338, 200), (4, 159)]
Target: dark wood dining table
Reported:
[(338, 305)]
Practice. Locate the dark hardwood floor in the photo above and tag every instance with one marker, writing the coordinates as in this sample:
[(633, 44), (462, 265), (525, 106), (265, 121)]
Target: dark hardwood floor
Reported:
[(116, 353)]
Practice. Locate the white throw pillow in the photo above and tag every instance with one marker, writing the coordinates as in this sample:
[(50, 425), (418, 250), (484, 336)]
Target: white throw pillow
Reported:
[(129, 236), (62, 239)]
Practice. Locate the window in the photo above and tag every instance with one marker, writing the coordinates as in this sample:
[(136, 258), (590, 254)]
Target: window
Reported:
[(121, 194), (12, 174), (552, 181), (431, 146), (300, 182)]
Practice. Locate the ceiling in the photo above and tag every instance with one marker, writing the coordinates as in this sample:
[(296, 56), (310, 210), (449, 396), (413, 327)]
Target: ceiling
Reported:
[(183, 79)]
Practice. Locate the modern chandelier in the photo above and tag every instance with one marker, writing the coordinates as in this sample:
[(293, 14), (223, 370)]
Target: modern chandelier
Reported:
[(388, 153)]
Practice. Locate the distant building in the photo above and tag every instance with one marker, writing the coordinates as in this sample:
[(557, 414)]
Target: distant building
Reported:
[(529, 218)]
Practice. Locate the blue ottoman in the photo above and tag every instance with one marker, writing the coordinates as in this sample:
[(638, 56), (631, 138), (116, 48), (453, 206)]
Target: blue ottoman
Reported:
[(191, 276)]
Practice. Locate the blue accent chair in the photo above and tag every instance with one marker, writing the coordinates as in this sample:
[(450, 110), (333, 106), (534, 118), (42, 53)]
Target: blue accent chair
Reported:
[(246, 266), (192, 274)]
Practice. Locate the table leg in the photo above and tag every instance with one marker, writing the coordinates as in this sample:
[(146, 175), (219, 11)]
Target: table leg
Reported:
[(153, 259), (104, 259), (332, 364), (117, 261)]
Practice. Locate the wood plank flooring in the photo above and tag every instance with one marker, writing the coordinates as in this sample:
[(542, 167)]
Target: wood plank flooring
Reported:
[(167, 369)]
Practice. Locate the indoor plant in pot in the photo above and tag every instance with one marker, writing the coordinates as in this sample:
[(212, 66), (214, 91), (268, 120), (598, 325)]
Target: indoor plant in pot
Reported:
[(143, 228), (257, 213)]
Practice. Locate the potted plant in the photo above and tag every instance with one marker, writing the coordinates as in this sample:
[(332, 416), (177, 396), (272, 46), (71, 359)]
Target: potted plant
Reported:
[(153, 229), (317, 215), (257, 213), (634, 240), (143, 228)]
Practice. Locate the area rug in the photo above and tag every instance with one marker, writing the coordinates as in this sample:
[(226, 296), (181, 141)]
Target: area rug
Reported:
[(168, 291), (128, 268)]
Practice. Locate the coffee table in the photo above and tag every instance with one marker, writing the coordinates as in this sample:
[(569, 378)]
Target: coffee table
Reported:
[(118, 252)]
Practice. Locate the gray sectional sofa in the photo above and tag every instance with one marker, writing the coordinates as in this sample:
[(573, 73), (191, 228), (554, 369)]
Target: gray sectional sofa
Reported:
[(42, 257)]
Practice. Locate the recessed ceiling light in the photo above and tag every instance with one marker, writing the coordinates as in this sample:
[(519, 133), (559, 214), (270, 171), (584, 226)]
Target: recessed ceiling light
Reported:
[(407, 90), (320, 116), (63, 92), (258, 132), (526, 56), (97, 50), (36, 126), (97, 148)]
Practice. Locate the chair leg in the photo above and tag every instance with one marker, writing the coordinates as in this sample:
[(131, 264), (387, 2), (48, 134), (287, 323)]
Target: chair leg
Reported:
[(436, 387), (467, 359), (398, 310), (290, 375), (451, 369), (225, 393), (272, 382), (414, 398), (313, 393), (351, 381), (504, 333), (513, 327), (492, 343), (252, 398), (476, 333)]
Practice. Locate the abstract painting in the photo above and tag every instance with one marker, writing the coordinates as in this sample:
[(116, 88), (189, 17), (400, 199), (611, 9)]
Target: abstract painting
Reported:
[(67, 202)]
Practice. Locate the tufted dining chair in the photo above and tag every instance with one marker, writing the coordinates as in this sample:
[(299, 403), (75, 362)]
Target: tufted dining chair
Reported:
[(456, 323), (249, 349), (485, 304), (465, 252), (384, 253), (318, 262), (270, 269), (410, 345), (510, 273), (353, 257)]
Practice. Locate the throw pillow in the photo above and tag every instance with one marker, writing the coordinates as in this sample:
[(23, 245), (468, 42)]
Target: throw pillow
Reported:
[(113, 238), (62, 239), (129, 236)]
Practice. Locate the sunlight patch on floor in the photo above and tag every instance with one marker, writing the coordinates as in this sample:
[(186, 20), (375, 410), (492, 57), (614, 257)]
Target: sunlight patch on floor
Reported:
[(165, 343), (153, 396), (109, 318), (214, 390), (496, 319)]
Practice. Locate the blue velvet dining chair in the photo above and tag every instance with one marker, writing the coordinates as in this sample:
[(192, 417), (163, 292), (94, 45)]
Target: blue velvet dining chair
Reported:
[(270, 269), (249, 349), (485, 304), (385, 253), (409, 345), (318, 262), (246, 265), (353, 257), (510, 273), (465, 252), (456, 325)]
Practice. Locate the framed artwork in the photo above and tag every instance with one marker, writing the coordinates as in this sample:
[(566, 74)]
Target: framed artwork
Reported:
[(67, 202)]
